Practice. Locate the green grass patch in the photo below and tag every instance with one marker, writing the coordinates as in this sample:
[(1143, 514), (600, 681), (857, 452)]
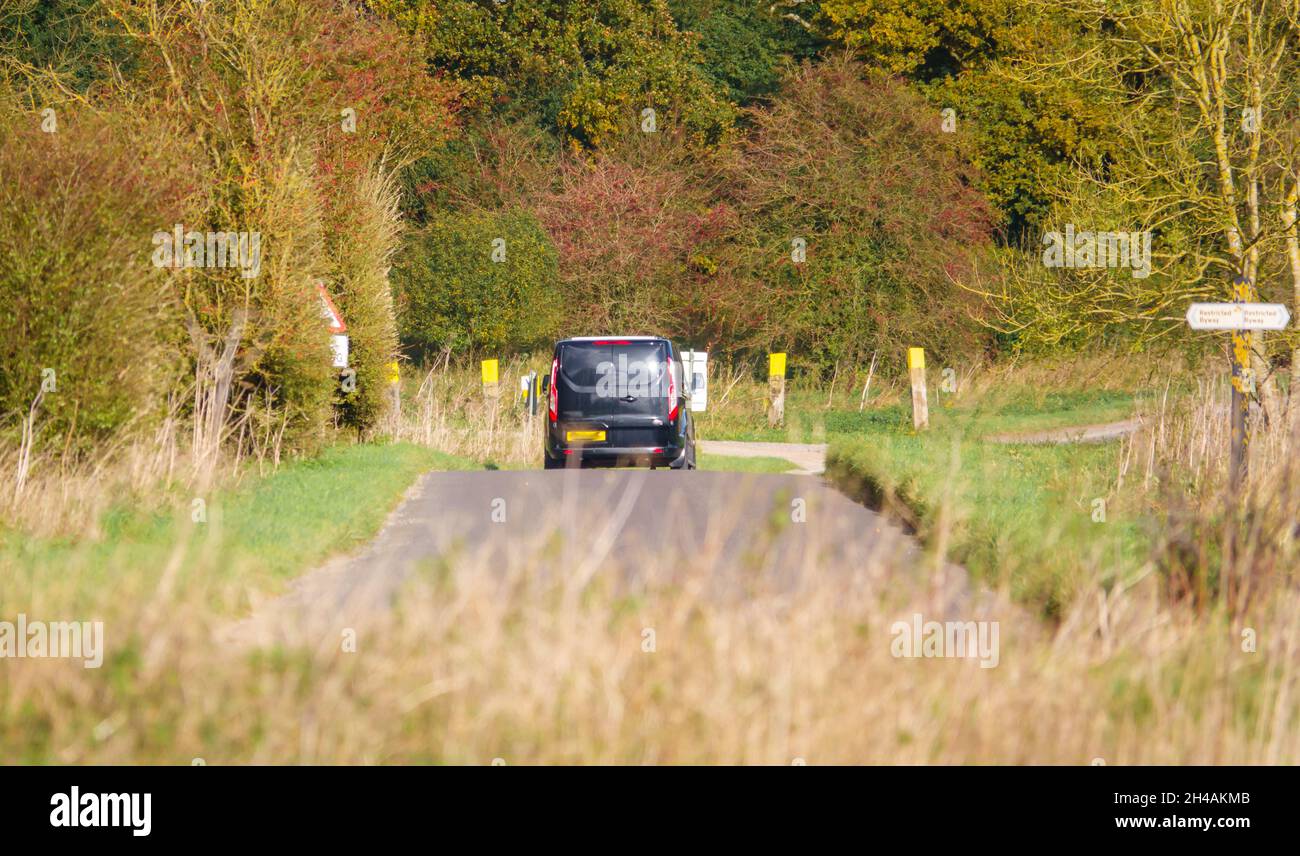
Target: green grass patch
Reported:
[(265, 531), (1014, 411), (1015, 514), (310, 510), (733, 464), (1030, 410)]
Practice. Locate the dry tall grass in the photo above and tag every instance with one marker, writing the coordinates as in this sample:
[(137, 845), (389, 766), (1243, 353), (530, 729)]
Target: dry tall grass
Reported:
[(1215, 542), (531, 663), (446, 407), (49, 494)]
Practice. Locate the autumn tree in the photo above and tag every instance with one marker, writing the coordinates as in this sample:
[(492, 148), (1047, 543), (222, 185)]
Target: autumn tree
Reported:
[(628, 229), (855, 214)]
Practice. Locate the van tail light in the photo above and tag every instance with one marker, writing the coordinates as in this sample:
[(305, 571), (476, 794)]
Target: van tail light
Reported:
[(672, 392), (553, 404)]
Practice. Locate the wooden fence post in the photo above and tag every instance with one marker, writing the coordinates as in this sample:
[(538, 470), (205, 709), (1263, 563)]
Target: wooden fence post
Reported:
[(920, 406), (776, 389)]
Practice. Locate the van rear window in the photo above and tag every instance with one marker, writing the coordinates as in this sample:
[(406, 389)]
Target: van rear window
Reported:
[(607, 377)]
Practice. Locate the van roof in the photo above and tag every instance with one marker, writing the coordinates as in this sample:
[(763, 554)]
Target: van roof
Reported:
[(610, 338)]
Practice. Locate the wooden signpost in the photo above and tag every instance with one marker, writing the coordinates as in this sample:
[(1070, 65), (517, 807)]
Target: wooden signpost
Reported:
[(920, 405), (1240, 317), (776, 389)]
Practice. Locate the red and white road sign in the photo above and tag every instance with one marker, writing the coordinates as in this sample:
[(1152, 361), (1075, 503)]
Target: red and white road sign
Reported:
[(1238, 316), (329, 311), (338, 341)]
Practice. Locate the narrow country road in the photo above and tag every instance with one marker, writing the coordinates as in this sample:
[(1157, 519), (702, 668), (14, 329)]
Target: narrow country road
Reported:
[(640, 526)]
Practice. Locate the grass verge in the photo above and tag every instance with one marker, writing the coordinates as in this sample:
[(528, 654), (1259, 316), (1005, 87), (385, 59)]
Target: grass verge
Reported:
[(1030, 518), (1035, 519), (735, 464), (262, 533)]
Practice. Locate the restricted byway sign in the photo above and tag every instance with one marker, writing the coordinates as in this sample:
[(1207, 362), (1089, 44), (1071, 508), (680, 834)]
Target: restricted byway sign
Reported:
[(1238, 316)]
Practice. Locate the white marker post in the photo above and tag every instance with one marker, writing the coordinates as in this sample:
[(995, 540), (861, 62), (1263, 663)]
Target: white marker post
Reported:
[(695, 366), (1240, 317)]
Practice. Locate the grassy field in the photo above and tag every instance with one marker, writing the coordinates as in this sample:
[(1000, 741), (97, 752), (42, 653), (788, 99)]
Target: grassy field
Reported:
[(260, 534), (529, 664), (807, 421)]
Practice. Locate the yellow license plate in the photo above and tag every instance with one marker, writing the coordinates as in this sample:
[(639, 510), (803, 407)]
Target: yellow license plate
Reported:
[(587, 436)]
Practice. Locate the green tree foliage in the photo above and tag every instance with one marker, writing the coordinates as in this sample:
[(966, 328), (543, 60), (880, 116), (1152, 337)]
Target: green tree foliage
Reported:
[(288, 114), (745, 46), (263, 84), (1024, 139), (476, 281), (1203, 102), (922, 38), (75, 40), (588, 68), (651, 237), (491, 165)]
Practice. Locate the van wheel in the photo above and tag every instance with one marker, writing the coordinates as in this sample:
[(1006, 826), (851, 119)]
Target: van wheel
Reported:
[(687, 460), (549, 463)]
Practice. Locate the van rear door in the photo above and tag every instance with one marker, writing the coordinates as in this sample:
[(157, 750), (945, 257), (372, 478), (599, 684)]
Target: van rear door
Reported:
[(620, 384)]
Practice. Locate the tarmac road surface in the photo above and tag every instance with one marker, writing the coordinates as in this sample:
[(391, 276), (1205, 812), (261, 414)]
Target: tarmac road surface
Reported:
[(638, 525)]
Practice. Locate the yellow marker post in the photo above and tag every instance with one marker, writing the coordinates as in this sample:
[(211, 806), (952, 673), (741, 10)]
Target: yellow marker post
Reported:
[(1243, 388), (776, 389), (394, 379), (920, 406), (490, 376)]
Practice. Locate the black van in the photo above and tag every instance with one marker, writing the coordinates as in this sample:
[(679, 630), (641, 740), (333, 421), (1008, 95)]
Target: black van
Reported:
[(618, 401)]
